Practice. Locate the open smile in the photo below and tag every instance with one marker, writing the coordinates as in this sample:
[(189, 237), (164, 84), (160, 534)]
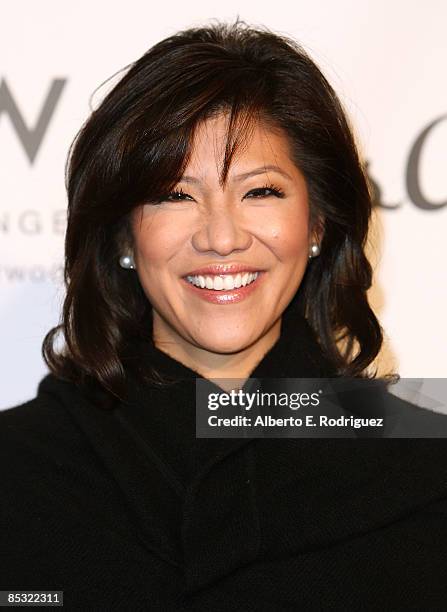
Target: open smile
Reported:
[(224, 288)]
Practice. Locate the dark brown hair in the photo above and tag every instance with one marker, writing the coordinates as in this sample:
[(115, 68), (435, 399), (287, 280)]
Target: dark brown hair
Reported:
[(134, 148)]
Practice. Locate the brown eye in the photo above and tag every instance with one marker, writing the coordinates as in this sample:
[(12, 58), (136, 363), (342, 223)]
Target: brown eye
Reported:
[(268, 190), (176, 196)]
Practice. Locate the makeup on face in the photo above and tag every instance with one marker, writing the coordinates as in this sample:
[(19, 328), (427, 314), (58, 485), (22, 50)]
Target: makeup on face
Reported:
[(220, 264)]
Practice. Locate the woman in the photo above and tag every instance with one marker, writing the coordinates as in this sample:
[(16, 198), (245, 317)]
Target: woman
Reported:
[(217, 218)]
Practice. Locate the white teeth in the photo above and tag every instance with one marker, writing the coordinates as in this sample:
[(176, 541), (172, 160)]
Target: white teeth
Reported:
[(224, 282), (228, 282), (218, 283)]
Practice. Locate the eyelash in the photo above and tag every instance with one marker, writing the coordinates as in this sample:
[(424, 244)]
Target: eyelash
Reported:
[(276, 191)]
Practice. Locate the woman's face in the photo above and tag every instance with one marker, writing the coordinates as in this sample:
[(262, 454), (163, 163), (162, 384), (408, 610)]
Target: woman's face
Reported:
[(259, 221)]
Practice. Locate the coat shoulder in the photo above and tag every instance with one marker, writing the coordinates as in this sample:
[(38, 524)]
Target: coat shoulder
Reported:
[(40, 425), (44, 454)]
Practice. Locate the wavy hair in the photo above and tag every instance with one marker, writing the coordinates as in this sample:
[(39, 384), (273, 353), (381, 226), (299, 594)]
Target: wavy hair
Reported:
[(134, 148)]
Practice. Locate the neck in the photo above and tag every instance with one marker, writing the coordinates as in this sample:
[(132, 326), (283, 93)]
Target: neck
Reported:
[(208, 364)]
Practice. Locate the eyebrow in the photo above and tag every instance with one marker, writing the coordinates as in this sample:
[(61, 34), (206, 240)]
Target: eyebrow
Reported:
[(245, 175)]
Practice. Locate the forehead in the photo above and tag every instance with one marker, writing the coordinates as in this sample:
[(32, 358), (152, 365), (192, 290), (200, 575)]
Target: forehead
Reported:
[(257, 144)]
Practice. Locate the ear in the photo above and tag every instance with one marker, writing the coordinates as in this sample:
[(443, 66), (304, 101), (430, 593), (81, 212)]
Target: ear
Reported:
[(317, 230), (124, 238)]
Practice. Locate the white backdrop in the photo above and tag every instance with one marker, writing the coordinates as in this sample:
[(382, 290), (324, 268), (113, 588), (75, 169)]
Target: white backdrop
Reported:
[(386, 60)]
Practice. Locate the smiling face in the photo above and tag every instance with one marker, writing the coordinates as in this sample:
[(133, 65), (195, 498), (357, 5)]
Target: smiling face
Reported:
[(258, 221)]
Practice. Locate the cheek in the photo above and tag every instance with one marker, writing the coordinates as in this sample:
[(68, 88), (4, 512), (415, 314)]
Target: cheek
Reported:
[(157, 240), (288, 235)]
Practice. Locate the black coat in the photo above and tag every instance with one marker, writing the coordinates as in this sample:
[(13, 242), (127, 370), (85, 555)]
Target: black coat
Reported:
[(126, 509)]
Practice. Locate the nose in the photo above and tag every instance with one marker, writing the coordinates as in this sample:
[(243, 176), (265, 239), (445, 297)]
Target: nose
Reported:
[(221, 231)]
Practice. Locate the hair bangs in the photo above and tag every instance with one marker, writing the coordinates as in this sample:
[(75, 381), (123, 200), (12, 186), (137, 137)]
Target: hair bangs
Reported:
[(152, 164)]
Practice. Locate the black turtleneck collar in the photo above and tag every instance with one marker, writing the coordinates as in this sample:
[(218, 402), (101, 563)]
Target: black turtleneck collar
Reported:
[(165, 416)]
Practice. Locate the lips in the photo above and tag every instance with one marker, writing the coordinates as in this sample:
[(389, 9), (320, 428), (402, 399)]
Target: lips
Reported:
[(224, 296), (216, 269)]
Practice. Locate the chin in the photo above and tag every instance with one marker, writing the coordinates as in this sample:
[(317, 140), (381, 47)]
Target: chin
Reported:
[(226, 345)]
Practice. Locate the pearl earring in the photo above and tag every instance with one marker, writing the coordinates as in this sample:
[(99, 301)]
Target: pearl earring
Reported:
[(314, 251), (127, 262)]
